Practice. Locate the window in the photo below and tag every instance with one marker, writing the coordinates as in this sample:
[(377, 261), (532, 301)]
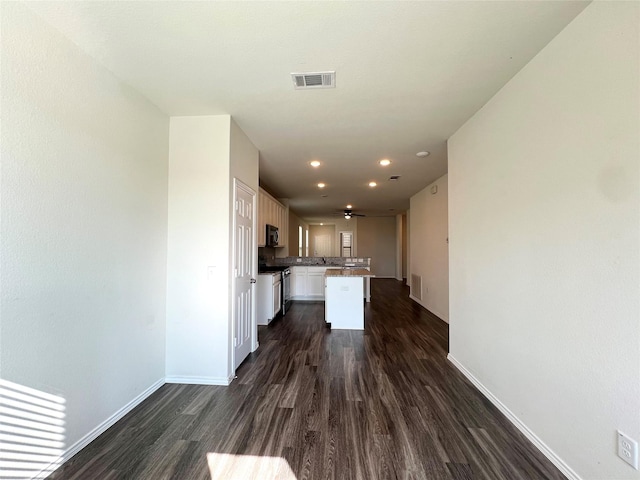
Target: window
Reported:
[(299, 240), (346, 244), (307, 241)]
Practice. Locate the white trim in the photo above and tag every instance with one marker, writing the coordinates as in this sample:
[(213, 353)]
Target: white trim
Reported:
[(399, 239), (519, 424), (99, 430), (200, 380), (437, 314), (415, 300), (240, 185)]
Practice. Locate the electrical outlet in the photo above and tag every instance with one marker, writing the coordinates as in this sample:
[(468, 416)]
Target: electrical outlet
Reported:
[(628, 449)]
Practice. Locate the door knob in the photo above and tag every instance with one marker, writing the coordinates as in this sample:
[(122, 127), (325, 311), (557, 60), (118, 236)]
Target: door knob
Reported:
[(253, 280)]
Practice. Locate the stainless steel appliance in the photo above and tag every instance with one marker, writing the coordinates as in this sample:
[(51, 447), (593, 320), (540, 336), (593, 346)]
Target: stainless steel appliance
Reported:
[(286, 290), (272, 236)]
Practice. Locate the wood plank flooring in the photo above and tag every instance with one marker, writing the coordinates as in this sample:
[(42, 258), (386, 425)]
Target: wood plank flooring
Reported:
[(313, 403)]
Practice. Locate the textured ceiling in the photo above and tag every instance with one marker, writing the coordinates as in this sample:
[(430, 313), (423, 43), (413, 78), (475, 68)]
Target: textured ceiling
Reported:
[(408, 75)]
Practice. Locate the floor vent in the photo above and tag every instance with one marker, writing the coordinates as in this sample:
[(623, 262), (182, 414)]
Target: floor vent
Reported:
[(416, 286), (303, 81)]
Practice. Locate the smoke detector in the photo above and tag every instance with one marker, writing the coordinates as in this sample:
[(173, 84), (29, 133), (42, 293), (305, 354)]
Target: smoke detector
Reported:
[(304, 81)]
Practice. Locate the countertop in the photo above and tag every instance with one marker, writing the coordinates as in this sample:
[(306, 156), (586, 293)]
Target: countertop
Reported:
[(328, 265), (350, 272)]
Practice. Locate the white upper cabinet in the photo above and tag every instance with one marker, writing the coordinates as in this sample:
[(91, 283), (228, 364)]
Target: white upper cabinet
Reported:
[(272, 212)]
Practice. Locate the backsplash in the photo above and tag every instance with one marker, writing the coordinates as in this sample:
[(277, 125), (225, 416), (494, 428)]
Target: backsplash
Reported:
[(332, 261), (266, 255)]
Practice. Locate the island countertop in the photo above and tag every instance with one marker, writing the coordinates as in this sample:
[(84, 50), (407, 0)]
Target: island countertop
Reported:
[(347, 272)]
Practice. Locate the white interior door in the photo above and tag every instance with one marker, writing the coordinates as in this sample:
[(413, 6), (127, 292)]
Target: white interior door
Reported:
[(244, 248), (322, 247)]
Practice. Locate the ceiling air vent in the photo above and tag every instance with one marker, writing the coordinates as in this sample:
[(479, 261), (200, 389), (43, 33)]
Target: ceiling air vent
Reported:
[(314, 80), (394, 177)]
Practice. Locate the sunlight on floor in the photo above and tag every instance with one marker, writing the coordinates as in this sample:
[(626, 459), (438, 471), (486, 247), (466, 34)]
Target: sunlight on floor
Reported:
[(248, 467), (31, 431)]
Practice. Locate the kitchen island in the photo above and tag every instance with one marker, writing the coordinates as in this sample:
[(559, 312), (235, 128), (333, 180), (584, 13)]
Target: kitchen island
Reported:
[(344, 303)]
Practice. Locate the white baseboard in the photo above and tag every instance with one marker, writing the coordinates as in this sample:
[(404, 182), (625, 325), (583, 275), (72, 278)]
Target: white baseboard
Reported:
[(437, 314), (200, 380), (416, 300), (519, 424), (99, 430)]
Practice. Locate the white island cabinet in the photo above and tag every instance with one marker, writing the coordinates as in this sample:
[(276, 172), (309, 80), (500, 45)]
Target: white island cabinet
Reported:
[(344, 305), (307, 283)]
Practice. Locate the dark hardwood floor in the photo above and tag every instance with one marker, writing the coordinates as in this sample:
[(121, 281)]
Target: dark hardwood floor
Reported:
[(314, 403)]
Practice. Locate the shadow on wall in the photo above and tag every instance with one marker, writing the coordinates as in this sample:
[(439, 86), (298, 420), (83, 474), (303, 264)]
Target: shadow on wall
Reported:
[(32, 429)]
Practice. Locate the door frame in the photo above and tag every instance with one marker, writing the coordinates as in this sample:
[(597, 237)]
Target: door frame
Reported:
[(238, 184), (353, 243)]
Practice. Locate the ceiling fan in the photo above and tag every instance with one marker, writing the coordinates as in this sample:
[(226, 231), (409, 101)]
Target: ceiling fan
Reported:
[(348, 213)]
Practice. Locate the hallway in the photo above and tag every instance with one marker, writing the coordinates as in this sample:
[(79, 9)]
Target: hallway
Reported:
[(314, 403)]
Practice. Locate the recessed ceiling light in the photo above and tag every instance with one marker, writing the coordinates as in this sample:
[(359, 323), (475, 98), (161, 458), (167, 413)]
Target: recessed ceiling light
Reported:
[(422, 154), (385, 162), (372, 184), (314, 163), (321, 185), (349, 206), (321, 224)]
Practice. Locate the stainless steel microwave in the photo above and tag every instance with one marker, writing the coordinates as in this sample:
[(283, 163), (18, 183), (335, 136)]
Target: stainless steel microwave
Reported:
[(272, 236)]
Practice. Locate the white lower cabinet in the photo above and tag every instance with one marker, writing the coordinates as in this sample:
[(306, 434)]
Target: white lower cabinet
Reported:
[(298, 281), (269, 298), (307, 283), (315, 282), (276, 293)]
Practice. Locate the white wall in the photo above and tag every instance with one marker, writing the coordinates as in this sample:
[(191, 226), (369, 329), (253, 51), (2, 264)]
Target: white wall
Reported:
[(320, 230), (400, 245), (294, 223), (83, 233), (243, 165), (429, 249), (405, 246), (377, 239), (545, 238), (205, 153), (342, 225), (243, 159), (198, 249)]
